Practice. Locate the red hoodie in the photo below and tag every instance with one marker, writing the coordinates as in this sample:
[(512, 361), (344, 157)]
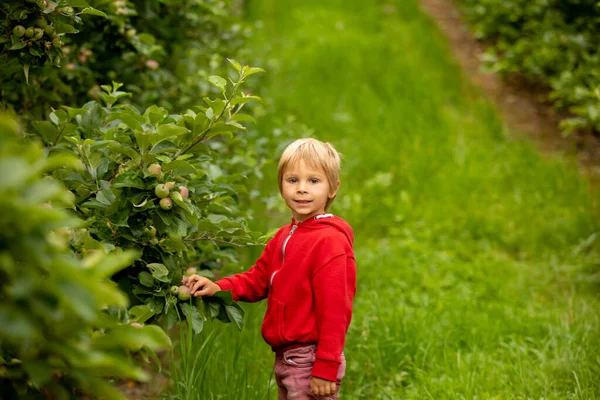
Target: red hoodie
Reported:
[(308, 273)]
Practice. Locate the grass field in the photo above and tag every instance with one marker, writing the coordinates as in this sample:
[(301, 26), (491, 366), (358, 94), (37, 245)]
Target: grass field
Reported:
[(478, 258)]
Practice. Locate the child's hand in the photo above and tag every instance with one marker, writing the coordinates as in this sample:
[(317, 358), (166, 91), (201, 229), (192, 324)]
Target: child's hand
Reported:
[(321, 387), (200, 286)]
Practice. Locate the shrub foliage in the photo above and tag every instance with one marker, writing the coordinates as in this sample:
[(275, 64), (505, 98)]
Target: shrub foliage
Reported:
[(162, 51), (554, 42), (57, 333), (154, 170)]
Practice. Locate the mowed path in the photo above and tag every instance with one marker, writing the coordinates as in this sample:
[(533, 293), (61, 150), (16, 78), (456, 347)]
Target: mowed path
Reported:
[(478, 259)]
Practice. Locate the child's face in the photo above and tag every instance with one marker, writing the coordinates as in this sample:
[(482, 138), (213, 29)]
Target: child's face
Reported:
[(305, 190)]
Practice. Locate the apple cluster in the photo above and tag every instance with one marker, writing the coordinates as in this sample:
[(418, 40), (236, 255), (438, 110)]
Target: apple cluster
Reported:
[(37, 31), (166, 192)]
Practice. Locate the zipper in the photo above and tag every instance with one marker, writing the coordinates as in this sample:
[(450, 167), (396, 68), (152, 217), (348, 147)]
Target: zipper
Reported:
[(294, 227)]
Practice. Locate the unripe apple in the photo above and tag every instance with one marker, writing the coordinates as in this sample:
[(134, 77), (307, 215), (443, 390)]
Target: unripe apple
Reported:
[(136, 325), (19, 30), (56, 42), (49, 30), (174, 289), (150, 231), (38, 33), (170, 185), (176, 196), (166, 204), (155, 169), (29, 32), (184, 293), (185, 193), (41, 22), (190, 271), (161, 191), (66, 10)]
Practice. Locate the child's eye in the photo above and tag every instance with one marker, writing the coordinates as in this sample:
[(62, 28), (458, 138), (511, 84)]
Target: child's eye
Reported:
[(292, 180), (314, 180)]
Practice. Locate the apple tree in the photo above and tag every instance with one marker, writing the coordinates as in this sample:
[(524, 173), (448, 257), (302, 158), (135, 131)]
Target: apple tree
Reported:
[(61, 332), (160, 184)]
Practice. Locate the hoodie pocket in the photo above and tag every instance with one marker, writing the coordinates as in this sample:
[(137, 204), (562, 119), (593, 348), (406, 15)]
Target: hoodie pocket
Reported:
[(273, 328)]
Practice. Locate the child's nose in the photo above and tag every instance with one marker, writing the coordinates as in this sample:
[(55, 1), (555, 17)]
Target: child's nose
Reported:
[(302, 187)]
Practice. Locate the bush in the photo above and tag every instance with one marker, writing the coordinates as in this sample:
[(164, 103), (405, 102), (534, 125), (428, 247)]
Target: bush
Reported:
[(162, 51), (151, 182), (554, 42), (151, 194), (57, 332)]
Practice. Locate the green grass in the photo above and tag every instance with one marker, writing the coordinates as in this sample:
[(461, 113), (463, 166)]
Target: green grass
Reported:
[(478, 268)]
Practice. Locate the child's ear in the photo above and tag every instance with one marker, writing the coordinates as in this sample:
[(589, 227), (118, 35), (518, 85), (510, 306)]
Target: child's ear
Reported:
[(337, 187)]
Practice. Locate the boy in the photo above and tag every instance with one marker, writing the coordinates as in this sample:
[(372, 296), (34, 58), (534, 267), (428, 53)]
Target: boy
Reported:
[(307, 272)]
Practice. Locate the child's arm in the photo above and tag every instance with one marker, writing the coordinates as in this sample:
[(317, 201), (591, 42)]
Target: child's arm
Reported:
[(250, 286), (334, 286)]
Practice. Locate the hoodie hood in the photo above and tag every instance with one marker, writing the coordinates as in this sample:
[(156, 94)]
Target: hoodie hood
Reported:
[(324, 220)]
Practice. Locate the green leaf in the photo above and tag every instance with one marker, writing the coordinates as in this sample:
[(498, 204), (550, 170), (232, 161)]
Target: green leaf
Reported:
[(18, 45), (128, 180), (236, 125), (114, 262), (244, 99), (151, 336), (19, 172), (47, 130), (172, 317), (235, 64), (214, 307), (221, 127), (140, 313), (224, 296), (193, 317), (64, 28), (252, 71), (143, 140), (73, 112), (173, 243), (93, 11), (236, 314), (157, 338), (127, 116), (159, 271), (166, 131), (228, 134), (142, 204), (218, 82), (127, 151), (26, 72), (59, 117), (179, 167), (106, 197), (217, 105), (154, 113), (146, 279)]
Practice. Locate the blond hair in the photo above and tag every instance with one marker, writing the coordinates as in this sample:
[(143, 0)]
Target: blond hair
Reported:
[(317, 154)]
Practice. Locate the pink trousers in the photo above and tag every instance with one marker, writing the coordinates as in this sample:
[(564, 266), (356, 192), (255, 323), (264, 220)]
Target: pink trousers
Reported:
[(293, 371)]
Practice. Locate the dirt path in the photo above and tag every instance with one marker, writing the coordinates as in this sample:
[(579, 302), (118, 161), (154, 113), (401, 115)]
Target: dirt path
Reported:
[(522, 106)]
